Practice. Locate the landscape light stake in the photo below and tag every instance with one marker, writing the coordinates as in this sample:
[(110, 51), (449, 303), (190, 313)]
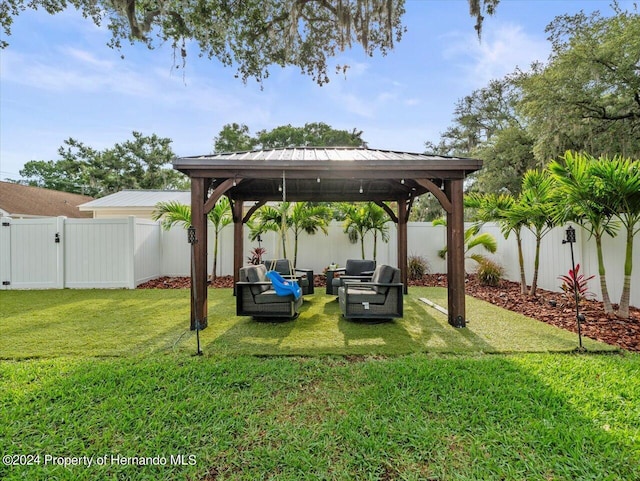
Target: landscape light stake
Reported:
[(570, 239), (191, 236)]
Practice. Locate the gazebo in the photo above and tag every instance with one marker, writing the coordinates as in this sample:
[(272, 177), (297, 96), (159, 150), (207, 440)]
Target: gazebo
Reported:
[(326, 174)]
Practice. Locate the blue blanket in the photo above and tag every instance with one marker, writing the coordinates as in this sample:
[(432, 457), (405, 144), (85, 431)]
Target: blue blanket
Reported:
[(284, 287)]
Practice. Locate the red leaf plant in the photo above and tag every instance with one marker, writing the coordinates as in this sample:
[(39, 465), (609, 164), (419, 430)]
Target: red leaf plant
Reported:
[(574, 280)]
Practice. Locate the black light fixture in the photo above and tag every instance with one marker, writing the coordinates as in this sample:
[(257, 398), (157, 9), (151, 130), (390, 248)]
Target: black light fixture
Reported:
[(570, 238), (193, 240)]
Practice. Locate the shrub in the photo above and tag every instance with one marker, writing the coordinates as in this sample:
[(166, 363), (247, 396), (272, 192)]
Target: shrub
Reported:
[(575, 280), (418, 266), (256, 255), (489, 272)]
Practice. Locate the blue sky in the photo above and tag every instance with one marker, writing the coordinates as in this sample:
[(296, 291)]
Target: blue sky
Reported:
[(58, 79)]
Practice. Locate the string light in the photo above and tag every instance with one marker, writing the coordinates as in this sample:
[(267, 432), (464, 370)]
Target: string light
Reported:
[(361, 189)]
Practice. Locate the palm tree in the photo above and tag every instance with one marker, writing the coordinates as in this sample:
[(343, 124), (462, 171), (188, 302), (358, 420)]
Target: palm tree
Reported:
[(356, 221), (575, 201), (299, 217), (378, 219), (175, 213), (220, 216), (533, 210), (271, 219), (472, 238), (495, 207), (309, 218), (617, 182)]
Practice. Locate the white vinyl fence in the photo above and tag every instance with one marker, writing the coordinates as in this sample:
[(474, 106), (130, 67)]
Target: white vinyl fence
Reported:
[(123, 253)]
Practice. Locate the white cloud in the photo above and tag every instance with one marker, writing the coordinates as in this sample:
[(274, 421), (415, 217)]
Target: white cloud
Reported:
[(498, 53)]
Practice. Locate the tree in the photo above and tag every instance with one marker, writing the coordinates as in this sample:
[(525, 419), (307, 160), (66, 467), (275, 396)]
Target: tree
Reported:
[(249, 34), (271, 219), (316, 134), (617, 182), (234, 138), (174, 213), (479, 116), (472, 238), (134, 164), (362, 218), (575, 200), (486, 125), (355, 223), (220, 216), (533, 210), (586, 98), (426, 208), (298, 216), (490, 207), (378, 220), (506, 158), (309, 218)]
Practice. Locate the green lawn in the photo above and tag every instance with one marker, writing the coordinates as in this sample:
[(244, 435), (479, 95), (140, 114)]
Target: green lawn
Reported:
[(108, 377), (127, 322)]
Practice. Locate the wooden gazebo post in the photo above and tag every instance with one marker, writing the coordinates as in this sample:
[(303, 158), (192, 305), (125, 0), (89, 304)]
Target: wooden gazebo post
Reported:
[(199, 262), (455, 253), (403, 218), (238, 239)]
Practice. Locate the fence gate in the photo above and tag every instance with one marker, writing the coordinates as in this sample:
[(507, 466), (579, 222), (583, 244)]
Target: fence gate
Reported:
[(31, 253)]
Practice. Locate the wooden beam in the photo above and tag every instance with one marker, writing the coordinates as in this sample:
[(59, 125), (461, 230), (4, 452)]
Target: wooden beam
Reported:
[(455, 253), (437, 192), (238, 241), (219, 192), (402, 243), (392, 215), (199, 254), (251, 211)]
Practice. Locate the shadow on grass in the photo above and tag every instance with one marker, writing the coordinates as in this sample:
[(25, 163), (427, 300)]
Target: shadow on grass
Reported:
[(125, 322)]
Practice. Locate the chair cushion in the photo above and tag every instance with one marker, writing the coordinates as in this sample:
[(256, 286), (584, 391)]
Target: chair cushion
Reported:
[(383, 275), (281, 266), (254, 274), (358, 295), (356, 267), (271, 297)]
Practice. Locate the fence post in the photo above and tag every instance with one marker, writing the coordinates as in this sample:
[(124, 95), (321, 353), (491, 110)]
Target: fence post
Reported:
[(131, 252), (60, 251), (5, 253)]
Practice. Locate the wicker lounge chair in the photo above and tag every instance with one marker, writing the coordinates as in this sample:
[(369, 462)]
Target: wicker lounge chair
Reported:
[(379, 299), (354, 270), (255, 296)]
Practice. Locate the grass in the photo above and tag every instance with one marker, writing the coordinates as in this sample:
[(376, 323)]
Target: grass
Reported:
[(533, 416), (102, 323), (111, 376)]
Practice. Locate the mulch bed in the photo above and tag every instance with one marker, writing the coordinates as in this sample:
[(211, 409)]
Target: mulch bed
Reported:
[(624, 333)]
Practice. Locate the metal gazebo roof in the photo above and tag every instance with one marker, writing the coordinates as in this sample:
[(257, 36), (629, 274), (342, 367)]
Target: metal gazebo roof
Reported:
[(327, 173)]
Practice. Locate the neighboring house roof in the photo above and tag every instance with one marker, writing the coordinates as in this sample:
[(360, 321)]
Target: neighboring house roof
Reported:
[(18, 200), (137, 199)]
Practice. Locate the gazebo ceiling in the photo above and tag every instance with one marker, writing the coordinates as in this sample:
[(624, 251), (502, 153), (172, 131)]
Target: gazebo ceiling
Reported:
[(326, 174)]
